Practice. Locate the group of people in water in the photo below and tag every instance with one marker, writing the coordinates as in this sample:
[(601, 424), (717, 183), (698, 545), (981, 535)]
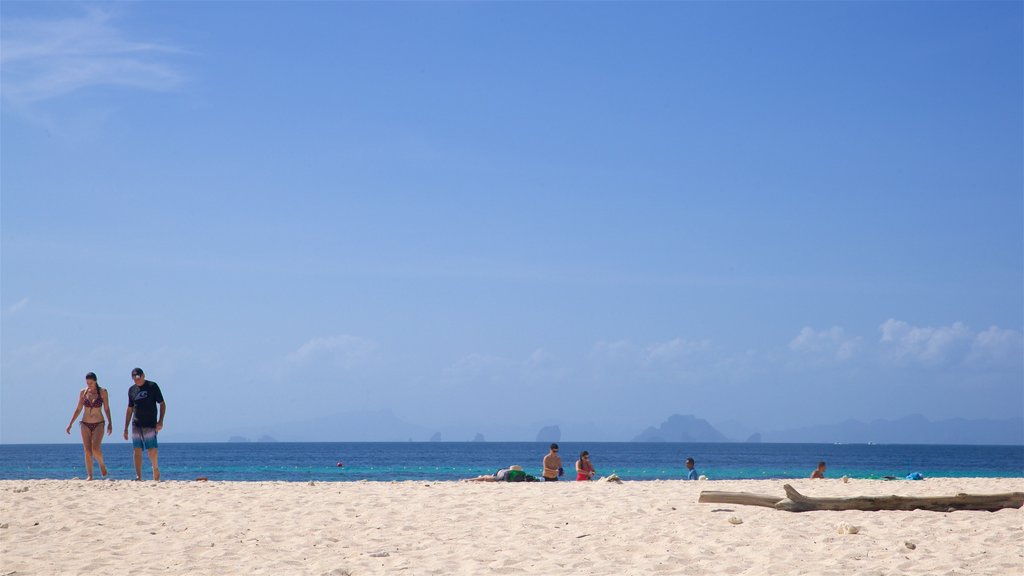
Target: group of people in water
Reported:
[(553, 470), (144, 397)]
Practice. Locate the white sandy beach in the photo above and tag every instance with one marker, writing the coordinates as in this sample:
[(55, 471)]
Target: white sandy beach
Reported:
[(123, 527)]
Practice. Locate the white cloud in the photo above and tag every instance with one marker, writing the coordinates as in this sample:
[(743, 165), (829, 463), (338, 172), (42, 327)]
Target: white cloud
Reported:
[(662, 362), (997, 344), (47, 59), (925, 344), (345, 352), (832, 343), (674, 350), (667, 352)]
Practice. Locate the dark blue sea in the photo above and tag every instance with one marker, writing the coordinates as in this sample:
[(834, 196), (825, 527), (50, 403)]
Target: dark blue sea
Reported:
[(385, 461)]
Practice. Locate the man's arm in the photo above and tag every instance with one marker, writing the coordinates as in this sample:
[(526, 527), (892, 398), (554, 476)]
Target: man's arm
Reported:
[(160, 422), (127, 419)]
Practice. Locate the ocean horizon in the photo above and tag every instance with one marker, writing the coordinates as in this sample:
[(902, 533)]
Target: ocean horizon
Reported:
[(446, 461)]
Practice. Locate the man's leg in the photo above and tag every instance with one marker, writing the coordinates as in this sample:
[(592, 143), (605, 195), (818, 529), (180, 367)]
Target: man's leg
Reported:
[(137, 456), (152, 460)]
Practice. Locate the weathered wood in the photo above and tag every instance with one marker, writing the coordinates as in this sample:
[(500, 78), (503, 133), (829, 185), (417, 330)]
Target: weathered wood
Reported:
[(797, 502), (744, 498)]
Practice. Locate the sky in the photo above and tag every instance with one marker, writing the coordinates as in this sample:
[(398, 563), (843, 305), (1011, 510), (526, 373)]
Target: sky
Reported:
[(479, 216)]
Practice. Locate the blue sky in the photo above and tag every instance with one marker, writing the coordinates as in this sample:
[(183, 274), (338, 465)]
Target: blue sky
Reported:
[(474, 215)]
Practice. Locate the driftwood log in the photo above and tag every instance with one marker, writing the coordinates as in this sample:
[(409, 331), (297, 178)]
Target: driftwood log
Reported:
[(797, 502)]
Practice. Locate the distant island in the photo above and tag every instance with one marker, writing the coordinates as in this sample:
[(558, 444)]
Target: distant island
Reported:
[(679, 428), (549, 434), (913, 429), (263, 438)]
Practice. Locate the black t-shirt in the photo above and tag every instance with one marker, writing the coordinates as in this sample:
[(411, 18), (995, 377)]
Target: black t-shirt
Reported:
[(144, 399)]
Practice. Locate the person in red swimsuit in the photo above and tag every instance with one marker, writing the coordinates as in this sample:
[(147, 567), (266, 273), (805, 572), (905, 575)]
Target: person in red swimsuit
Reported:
[(584, 467), (93, 400)]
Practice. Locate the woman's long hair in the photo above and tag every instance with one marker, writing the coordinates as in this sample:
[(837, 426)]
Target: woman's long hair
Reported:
[(99, 391)]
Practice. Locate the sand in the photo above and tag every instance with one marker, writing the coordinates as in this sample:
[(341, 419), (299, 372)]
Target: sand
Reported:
[(123, 527)]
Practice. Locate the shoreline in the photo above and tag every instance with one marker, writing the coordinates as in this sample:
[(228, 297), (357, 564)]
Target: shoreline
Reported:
[(708, 482), (451, 527)]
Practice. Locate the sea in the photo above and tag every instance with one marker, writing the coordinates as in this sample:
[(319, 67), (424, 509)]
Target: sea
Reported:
[(441, 461)]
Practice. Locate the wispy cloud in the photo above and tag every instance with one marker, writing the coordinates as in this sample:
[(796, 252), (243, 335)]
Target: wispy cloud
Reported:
[(48, 59), (344, 352), (658, 353), (17, 306), (831, 344)]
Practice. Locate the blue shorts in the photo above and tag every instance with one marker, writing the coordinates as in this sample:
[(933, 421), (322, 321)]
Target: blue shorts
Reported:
[(144, 438)]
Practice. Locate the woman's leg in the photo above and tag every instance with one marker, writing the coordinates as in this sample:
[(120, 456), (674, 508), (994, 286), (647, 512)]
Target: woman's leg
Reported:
[(87, 447), (97, 448)]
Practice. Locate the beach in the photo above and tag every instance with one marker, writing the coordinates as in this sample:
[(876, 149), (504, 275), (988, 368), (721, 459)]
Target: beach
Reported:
[(337, 528)]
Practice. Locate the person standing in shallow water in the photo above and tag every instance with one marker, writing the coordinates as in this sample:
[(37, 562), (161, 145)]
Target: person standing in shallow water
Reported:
[(143, 398), (95, 402), (552, 465), (584, 467), (691, 472), (819, 472)]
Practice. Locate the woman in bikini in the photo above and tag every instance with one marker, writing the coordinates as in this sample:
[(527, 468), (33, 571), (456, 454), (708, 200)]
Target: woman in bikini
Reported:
[(584, 467), (94, 401)]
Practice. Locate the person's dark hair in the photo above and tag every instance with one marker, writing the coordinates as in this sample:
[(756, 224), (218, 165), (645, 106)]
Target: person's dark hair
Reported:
[(554, 446), (689, 461), (584, 453), (820, 464), (137, 372), (92, 376)]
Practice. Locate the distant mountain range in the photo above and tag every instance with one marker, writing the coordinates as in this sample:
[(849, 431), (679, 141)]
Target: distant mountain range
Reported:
[(914, 429), (385, 426)]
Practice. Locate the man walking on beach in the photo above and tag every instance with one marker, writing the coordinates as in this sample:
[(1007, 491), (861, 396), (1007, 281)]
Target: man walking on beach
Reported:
[(143, 398), (552, 465)]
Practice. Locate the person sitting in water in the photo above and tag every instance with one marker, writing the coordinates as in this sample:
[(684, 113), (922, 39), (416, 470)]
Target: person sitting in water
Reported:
[(819, 472), (513, 473), (692, 474), (552, 465), (584, 467)]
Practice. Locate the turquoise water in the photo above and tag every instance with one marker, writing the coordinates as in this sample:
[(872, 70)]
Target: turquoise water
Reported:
[(453, 460)]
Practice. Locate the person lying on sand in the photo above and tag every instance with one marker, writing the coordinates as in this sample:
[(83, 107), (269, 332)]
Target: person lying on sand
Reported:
[(513, 473)]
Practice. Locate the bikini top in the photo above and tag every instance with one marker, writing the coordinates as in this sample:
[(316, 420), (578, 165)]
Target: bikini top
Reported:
[(97, 403)]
